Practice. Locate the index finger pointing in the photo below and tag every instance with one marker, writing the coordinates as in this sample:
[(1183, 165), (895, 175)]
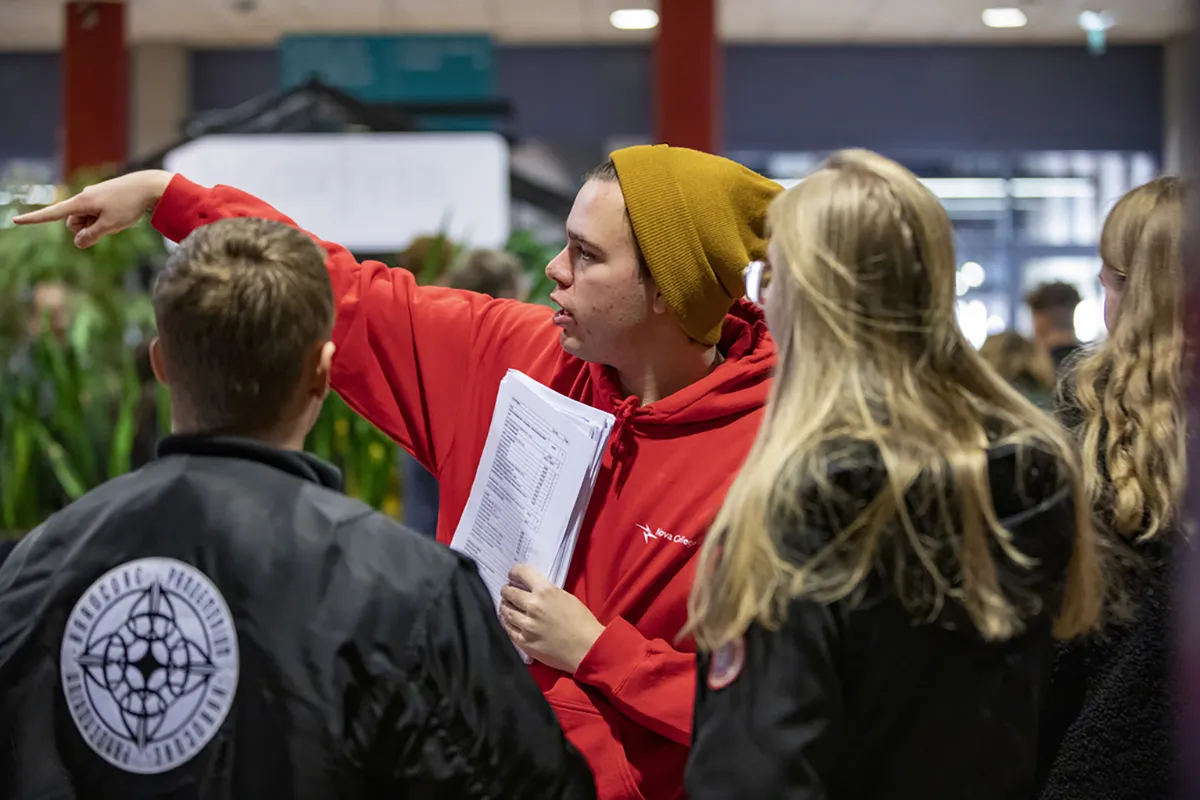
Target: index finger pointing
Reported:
[(53, 213)]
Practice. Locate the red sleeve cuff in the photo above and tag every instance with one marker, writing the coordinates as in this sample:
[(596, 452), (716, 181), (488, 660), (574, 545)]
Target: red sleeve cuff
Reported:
[(613, 657), (182, 208)]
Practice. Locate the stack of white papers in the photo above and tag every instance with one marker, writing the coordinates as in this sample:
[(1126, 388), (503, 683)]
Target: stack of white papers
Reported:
[(533, 483)]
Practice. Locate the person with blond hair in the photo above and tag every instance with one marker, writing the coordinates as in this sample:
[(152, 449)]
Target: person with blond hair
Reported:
[(1108, 724), (876, 604), (1022, 364)]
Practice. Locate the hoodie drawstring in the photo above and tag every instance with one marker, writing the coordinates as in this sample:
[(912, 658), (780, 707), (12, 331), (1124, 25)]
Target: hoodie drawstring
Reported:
[(622, 413)]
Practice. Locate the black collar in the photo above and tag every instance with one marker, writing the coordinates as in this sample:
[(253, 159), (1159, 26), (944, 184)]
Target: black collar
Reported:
[(302, 465)]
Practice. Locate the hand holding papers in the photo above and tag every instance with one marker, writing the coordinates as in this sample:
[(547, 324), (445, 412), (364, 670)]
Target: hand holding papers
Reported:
[(533, 484), (546, 622)]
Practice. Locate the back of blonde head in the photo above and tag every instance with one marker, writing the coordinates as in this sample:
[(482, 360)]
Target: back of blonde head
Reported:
[(1130, 389), (1017, 359), (862, 307)]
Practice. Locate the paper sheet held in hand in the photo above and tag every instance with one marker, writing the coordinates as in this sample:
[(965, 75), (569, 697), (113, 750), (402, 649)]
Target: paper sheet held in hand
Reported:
[(533, 483)]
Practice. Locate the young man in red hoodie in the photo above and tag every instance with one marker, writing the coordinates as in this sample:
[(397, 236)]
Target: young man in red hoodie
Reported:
[(650, 329)]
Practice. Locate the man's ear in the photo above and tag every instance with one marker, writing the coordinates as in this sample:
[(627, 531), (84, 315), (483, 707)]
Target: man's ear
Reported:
[(323, 373), (157, 363)]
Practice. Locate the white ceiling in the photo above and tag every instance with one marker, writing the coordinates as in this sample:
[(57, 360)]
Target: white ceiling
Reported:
[(37, 24)]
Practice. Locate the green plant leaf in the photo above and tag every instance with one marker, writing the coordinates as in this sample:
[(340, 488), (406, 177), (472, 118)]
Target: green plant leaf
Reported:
[(68, 479), (121, 446)]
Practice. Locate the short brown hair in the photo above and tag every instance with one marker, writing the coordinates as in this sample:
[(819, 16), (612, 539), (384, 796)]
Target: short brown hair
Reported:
[(240, 305), (607, 173), (1057, 301), (496, 273)]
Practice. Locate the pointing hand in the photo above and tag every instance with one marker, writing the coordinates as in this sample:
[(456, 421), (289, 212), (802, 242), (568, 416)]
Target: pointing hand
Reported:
[(104, 208)]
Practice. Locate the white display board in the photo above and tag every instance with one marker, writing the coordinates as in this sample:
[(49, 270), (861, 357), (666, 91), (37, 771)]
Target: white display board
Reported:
[(371, 192)]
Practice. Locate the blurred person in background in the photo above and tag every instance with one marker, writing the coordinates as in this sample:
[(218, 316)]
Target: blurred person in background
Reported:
[(877, 602), (1109, 722), (224, 622), (651, 327), (1020, 362), (427, 257), (1053, 307), (52, 309), (494, 273)]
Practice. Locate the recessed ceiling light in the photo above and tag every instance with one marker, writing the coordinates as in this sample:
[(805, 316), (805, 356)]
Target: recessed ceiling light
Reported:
[(1004, 18), (634, 19)]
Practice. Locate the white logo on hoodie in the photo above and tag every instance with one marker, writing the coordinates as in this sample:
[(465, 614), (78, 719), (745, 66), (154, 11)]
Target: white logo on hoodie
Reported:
[(658, 534)]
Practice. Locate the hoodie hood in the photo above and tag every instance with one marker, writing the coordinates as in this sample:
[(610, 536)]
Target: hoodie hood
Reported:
[(1032, 501), (738, 385)]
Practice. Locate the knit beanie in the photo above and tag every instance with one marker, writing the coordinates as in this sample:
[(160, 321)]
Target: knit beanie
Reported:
[(699, 220)]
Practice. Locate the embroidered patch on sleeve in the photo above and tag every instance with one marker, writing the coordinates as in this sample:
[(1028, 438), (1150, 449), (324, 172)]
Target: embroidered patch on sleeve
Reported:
[(726, 663)]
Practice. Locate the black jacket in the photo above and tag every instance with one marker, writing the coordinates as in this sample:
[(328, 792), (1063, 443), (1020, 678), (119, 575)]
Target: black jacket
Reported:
[(224, 624), (1108, 726), (859, 700)]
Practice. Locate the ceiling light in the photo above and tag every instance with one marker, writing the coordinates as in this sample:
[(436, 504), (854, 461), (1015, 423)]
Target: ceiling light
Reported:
[(1095, 20), (634, 19), (1004, 17), (1096, 24)]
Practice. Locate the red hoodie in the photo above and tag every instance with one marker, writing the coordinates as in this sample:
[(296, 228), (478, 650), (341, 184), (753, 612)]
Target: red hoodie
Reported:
[(424, 364)]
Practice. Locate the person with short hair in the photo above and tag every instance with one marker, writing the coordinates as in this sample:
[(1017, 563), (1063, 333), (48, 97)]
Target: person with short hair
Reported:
[(1020, 362), (496, 273), (224, 622), (1053, 306), (651, 327)]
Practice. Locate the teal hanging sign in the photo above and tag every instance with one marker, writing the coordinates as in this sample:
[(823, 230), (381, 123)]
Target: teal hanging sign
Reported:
[(393, 69)]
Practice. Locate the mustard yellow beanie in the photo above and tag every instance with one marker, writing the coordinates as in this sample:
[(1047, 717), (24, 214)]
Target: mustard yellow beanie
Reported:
[(699, 220)]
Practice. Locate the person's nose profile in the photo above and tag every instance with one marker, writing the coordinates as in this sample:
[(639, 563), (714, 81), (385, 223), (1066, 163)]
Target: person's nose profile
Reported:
[(559, 269)]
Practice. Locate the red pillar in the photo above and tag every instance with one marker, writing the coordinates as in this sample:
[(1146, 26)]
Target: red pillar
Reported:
[(95, 86), (687, 70)]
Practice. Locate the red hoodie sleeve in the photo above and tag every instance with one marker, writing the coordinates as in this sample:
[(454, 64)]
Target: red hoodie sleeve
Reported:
[(406, 355), (647, 680)]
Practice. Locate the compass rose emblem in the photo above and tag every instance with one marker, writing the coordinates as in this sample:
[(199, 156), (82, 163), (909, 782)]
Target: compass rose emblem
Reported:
[(150, 664)]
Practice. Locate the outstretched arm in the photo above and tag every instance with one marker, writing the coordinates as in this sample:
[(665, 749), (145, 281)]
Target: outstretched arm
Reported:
[(406, 355)]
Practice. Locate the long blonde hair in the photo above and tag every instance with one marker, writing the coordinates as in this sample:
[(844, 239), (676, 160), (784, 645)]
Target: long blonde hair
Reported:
[(1017, 360), (1130, 390), (862, 307)]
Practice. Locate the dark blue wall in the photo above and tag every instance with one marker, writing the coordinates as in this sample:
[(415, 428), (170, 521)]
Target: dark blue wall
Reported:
[(578, 94), (224, 78), (30, 105), (900, 100), (934, 99)]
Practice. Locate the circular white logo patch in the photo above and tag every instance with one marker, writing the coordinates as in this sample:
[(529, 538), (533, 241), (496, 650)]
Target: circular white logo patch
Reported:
[(150, 664)]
